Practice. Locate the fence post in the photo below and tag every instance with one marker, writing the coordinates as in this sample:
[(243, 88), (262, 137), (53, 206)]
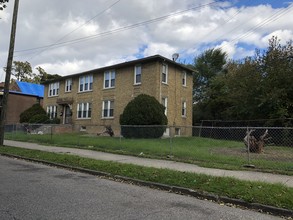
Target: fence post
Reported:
[(249, 165), (51, 134), (171, 143)]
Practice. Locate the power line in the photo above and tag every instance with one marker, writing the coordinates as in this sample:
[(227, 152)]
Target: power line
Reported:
[(64, 36), (114, 31), (266, 21)]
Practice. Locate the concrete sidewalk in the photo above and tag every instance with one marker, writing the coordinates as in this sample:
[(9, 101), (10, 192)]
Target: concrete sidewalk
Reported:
[(165, 164)]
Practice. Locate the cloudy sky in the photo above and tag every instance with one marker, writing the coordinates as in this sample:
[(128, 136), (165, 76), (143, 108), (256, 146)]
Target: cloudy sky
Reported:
[(71, 36)]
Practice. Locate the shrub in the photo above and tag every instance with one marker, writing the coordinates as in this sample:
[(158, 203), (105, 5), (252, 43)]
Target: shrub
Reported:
[(26, 115), (144, 110), (54, 121), (39, 119)]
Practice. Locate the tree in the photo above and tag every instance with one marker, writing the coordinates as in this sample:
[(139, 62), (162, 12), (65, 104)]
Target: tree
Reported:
[(22, 71), (143, 110), (258, 87), (276, 67), (244, 88), (208, 65), (3, 4)]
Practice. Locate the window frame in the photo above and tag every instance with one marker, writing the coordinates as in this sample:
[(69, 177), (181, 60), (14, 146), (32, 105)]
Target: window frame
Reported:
[(108, 109), (68, 85), (52, 111), (165, 104), (53, 89), (84, 110), (184, 77), (183, 109), (85, 83), (164, 73), (111, 79), (136, 82)]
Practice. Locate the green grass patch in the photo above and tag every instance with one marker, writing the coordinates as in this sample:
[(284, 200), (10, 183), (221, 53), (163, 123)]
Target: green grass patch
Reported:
[(205, 152), (268, 194)]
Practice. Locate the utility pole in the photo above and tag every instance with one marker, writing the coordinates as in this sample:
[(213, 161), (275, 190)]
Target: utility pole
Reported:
[(8, 73)]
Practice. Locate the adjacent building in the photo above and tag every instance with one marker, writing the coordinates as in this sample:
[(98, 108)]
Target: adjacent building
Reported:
[(99, 96), (22, 95)]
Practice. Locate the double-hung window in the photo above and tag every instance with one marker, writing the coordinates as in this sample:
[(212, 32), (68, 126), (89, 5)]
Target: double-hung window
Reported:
[(165, 104), (108, 109), (164, 73), (184, 78), (53, 89), (52, 111), (68, 85), (109, 79), (84, 110), (85, 83), (137, 74), (183, 111)]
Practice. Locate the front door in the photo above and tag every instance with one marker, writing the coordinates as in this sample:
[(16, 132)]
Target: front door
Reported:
[(68, 115)]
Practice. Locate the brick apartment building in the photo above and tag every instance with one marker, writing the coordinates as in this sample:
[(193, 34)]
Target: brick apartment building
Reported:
[(99, 96)]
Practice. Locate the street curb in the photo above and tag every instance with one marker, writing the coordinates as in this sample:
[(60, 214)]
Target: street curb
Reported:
[(174, 189)]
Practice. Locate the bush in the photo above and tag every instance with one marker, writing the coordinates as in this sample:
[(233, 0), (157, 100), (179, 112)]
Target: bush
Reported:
[(39, 119), (26, 115), (146, 111), (54, 121)]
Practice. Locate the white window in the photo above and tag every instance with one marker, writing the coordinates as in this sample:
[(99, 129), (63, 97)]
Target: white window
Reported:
[(183, 112), (108, 109), (164, 73), (85, 83), (84, 110), (137, 74), (109, 79), (184, 78), (52, 111), (165, 104), (53, 89), (68, 85)]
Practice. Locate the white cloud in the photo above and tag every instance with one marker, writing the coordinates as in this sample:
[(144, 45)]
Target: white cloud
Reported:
[(283, 35), (235, 28)]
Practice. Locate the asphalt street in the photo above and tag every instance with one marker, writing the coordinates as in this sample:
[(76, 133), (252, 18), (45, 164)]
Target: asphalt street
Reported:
[(35, 191)]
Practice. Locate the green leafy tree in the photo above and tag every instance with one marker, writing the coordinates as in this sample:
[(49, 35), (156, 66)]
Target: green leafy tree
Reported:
[(3, 4), (208, 65), (22, 71), (243, 90), (276, 67), (143, 110)]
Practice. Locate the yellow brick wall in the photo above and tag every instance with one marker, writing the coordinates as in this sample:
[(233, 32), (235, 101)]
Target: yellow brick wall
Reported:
[(125, 90)]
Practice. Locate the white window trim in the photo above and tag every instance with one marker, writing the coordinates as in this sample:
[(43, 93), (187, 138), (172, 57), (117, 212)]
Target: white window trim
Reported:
[(164, 64), (84, 106), (165, 104), (184, 77), (183, 109), (68, 85), (135, 74), (52, 111), (108, 103), (83, 79), (53, 87), (110, 79)]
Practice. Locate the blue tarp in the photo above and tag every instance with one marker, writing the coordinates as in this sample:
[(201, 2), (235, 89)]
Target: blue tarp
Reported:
[(31, 89)]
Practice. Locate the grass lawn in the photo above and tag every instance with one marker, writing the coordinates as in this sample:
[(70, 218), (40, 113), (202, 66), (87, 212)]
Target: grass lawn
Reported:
[(202, 151), (268, 194)]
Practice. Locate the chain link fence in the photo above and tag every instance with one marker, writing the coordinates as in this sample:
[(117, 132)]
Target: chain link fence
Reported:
[(264, 148)]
